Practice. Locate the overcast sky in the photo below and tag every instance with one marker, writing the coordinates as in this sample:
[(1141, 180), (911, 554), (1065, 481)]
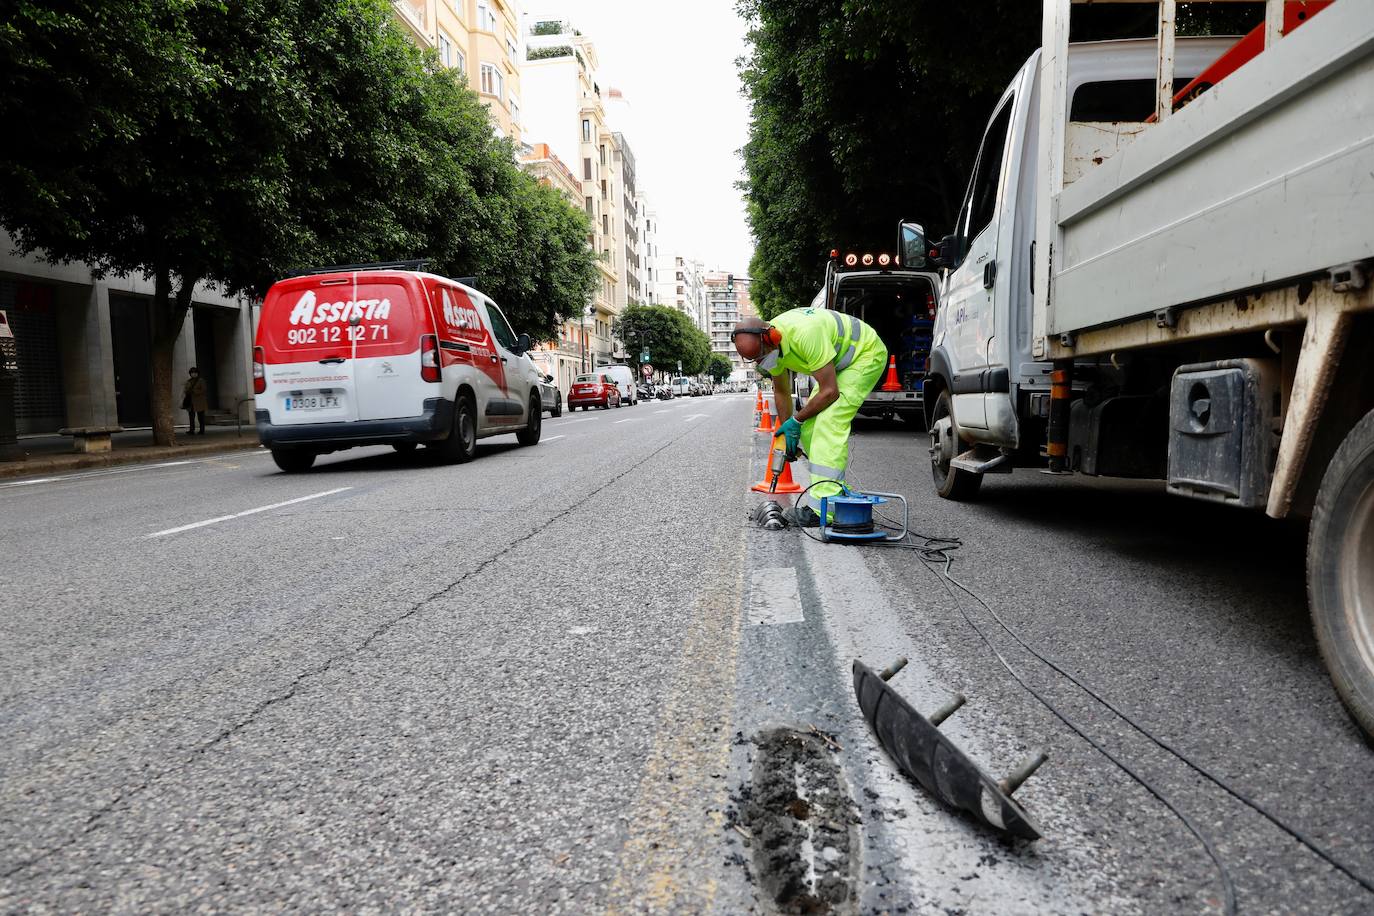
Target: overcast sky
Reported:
[(675, 62)]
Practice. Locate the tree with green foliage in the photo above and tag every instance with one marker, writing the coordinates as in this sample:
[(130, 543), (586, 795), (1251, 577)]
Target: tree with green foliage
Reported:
[(198, 141), (668, 335), (719, 367), (864, 112)]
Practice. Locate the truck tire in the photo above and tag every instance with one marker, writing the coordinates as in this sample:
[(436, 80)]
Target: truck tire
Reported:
[(950, 482), (534, 425), (1340, 571), (461, 444), (293, 460)]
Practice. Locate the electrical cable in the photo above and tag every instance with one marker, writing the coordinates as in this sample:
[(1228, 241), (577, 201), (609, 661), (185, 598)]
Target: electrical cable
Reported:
[(938, 555)]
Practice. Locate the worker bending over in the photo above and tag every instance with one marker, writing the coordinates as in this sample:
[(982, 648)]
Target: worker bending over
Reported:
[(844, 356)]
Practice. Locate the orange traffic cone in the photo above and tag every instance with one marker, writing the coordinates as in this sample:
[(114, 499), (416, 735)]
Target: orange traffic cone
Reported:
[(891, 383), (765, 421), (758, 401), (785, 482)]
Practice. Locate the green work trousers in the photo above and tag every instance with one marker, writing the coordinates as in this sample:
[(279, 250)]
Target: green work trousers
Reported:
[(825, 437)]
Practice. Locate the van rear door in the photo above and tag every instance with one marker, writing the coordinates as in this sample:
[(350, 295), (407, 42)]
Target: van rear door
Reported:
[(342, 347)]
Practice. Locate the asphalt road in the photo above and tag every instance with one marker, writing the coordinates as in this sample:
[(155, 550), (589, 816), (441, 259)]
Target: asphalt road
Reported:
[(574, 677)]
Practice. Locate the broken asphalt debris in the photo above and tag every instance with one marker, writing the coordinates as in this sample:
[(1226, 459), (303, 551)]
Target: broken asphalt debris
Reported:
[(921, 751), (800, 824)]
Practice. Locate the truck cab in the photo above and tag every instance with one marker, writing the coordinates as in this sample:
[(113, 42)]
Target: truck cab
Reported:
[(986, 397)]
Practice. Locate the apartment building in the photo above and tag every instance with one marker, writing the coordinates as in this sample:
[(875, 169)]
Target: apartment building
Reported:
[(728, 301), (564, 109), (628, 259), (565, 357), (680, 285), (648, 250), (480, 38)]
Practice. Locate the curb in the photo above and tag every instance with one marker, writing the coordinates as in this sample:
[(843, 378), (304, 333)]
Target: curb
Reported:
[(53, 464)]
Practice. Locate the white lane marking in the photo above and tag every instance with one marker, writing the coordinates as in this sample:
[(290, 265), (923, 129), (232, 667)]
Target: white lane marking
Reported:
[(661, 411), (692, 417), (627, 420), (110, 472), (579, 420), (551, 438), (774, 597), (225, 518)]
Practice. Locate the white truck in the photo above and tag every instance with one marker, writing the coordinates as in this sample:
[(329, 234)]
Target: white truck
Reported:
[(1183, 293)]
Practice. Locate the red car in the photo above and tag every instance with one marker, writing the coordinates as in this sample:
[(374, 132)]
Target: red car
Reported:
[(590, 391)]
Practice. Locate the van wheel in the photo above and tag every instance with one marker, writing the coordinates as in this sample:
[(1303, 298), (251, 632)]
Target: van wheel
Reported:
[(1340, 571), (530, 434), (945, 445), (461, 444), (293, 460)]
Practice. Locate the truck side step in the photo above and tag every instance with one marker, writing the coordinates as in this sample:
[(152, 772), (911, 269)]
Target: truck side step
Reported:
[(972, 462)]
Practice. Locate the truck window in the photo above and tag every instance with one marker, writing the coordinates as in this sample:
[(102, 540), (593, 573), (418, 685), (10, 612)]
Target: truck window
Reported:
[(983, 191), (1116, 100)]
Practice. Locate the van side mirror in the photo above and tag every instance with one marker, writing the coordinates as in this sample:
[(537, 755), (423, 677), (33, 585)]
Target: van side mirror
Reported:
[(522, 344), (911, 242), (548, 378)]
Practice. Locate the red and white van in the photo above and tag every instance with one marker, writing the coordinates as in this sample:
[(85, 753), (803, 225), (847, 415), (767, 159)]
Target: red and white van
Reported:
[(382, 354)]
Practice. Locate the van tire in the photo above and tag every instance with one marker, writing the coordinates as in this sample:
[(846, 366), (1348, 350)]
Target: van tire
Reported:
[(293, 460), (1340, 572), (950, 482), (461, 444), (534, 425)]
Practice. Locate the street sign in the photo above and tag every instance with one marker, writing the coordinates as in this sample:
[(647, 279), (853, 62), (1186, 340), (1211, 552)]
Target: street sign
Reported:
[(647, 369)]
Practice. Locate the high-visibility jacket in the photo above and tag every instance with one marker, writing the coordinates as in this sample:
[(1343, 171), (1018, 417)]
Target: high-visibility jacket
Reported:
[(812, 338)]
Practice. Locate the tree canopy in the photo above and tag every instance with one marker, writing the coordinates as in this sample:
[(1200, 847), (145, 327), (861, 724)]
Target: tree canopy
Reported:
[(668, 334), (195, 140), (719, 367)]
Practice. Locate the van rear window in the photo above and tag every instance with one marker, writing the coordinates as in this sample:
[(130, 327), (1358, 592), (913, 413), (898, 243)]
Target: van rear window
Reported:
[(317, 319)]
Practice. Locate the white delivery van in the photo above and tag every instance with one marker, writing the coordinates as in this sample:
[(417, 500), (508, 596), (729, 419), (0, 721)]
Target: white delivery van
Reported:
[(682, 386), (387, 354), (624, 379)]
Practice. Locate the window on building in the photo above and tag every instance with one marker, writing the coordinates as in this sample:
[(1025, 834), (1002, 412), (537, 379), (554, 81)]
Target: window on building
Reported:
[(491, 80), (460, 61), (587, 169), (591, 208), (514, 109), (603, 190), (605, 224), (445, 50), (511, 46), (587, 134), (486, 19), (603, 154)]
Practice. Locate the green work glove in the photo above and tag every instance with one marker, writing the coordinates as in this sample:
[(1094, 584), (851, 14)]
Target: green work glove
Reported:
[(791, 434)]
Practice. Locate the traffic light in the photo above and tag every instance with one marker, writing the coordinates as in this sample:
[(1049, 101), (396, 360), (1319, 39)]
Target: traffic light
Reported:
[(730, 283)]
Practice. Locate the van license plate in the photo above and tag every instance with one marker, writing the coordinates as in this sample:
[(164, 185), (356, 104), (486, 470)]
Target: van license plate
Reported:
[(313, 402)]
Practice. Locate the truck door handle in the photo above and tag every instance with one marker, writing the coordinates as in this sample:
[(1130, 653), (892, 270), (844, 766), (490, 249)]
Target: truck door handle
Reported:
[(989, 274), (332, 361)]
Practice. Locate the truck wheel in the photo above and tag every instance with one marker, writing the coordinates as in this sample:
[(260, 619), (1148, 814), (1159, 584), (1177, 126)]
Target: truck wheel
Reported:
[(1340, 571), (461, 444), (293, 460), (945, 445), (530, 434)]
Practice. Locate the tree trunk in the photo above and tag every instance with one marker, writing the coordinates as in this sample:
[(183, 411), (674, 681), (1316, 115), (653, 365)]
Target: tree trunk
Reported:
[(168, 315)]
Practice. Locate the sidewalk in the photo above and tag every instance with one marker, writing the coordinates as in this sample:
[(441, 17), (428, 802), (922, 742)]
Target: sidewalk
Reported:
[(53, 454)]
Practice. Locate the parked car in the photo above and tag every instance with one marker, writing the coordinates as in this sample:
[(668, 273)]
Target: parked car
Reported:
[(624, 379), (596, 389), (353, 356), (550, 396)]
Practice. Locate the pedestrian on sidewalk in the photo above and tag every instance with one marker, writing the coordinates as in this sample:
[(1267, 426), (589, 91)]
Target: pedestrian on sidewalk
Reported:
[(845, 356), (195, 401)]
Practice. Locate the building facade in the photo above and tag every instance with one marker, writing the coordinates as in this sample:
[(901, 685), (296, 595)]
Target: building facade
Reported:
[(563, 109), (482, 40), (728, 301), (82, 347), (648, 250), (683, 288)]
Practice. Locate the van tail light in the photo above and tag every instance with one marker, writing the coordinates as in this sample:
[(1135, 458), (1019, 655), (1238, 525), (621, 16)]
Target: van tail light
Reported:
[(930, 305), (429, 358), (259, 371)]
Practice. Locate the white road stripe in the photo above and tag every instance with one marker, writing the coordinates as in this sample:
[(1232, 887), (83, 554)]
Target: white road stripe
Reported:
[(692, 417), (225, 518), (660, 411), (774, 597), (108, 472), (628, 420), (551, 438)]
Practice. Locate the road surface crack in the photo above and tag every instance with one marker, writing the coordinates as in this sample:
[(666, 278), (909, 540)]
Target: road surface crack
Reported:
[(94, 820)]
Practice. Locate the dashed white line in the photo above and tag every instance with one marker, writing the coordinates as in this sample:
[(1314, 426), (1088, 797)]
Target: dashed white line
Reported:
[(627, 420), (774, 596), (225, 518), (692, 417), (552, 438)]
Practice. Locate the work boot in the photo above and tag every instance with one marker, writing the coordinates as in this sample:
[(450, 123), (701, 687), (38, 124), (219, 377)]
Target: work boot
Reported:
[(803, 517)]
